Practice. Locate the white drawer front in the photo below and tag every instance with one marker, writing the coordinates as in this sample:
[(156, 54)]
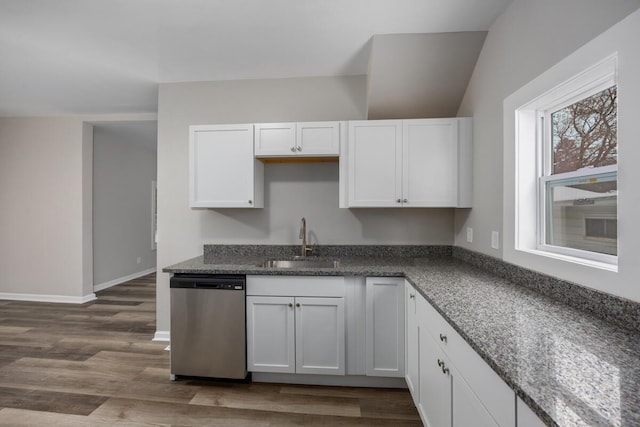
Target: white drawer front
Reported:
[(300, 286)]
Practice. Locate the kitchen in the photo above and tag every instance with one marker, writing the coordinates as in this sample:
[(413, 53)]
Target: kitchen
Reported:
[(514, 53)]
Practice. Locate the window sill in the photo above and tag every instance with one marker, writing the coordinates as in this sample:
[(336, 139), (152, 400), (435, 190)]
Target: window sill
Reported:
[(572, 259)]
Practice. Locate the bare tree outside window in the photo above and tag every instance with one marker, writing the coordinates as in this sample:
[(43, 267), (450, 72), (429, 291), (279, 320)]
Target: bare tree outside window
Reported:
[(585, 134)]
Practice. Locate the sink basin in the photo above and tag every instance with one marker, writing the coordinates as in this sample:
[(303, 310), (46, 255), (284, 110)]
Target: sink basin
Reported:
[(301, 263)]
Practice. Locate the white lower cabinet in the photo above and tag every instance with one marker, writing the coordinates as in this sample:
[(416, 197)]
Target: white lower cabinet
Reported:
[(526, 417), (450, 384), (385, 320), (270, 334), (466, 408), (320, 336), (301, 334), (412, 338), (435, 386)]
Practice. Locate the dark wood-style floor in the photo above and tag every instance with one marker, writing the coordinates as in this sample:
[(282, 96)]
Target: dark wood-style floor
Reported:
[(95, 365)]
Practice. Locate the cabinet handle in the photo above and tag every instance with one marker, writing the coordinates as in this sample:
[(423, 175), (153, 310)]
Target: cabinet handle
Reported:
[(440, 363), (399, 200), (445, 370), (443, 338), (250, 202), (293, 149), (411, 296), (298, 304), (405, 201), (299, 148), (290, 305)]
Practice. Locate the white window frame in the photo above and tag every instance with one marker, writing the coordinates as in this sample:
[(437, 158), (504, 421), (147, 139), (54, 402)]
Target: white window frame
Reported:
[(534, 138)]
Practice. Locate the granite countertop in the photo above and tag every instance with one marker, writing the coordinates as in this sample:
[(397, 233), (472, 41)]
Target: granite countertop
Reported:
[(570, 367)]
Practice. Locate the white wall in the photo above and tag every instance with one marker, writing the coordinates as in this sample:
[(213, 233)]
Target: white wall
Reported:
[(420, 75), (528, 39), (43, 213), (123, 170), (291, 190)]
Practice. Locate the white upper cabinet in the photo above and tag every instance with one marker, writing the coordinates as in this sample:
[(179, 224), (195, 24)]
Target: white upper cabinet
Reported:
[(318, 138), (430, 151), (223, 172), (275, 139), (408, 163), (375, 163), (309, 139)]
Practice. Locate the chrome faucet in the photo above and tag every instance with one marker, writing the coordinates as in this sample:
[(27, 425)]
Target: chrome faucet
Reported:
[(303, 235)]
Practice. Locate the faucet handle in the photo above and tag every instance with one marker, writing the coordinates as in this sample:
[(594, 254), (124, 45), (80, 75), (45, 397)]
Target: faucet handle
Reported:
[(309, 250)]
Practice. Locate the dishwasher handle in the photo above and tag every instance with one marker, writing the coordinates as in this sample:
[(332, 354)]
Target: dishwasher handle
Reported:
[(234, 283)]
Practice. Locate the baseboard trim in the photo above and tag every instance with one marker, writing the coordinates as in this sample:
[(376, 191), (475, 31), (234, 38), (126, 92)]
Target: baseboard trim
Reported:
[(329, 380), (62, 299), (119, 280), (161, 336)]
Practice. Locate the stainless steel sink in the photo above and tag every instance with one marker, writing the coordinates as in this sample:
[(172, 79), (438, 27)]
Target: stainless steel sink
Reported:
[(301, 263)]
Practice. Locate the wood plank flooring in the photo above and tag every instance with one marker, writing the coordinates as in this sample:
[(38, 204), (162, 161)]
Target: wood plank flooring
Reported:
[(95, 365)]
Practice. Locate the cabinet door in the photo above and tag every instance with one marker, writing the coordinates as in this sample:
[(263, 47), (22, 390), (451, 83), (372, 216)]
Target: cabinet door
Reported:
[(526, 417), (412, 334), (430, 162), (318, 138), (223, 172), (467, 410), (275, 139), (320, 336), (270, 334), (375, 163), (435, 383), (384, 309)]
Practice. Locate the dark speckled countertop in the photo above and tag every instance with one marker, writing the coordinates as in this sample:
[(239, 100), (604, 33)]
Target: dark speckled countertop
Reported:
[(570, 367)]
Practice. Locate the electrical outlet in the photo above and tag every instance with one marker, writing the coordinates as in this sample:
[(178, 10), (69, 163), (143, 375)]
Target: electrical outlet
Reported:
[(469, 234), (139, 260), (495, 240)]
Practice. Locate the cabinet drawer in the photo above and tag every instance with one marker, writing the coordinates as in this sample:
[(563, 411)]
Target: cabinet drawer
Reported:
[(300, 286), (492, 391)]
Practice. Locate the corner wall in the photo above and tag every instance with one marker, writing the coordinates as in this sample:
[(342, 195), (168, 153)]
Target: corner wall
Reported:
[(521, 52), (527, 39), (43, 214), (291, 190)]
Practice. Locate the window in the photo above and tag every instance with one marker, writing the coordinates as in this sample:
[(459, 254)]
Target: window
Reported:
[(579, 173), (601, 227), (570, 133)]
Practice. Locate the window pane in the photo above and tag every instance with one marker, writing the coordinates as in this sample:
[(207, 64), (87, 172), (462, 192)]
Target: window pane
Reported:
[(594, 227), (569, 204), (585, 133), (606, 228)]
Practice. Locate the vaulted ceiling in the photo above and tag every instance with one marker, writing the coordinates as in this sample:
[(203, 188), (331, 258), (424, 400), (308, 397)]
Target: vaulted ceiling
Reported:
[(108, 56)]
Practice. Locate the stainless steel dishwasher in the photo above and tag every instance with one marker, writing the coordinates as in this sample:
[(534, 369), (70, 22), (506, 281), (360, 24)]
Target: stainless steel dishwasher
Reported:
[(208, 333)]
